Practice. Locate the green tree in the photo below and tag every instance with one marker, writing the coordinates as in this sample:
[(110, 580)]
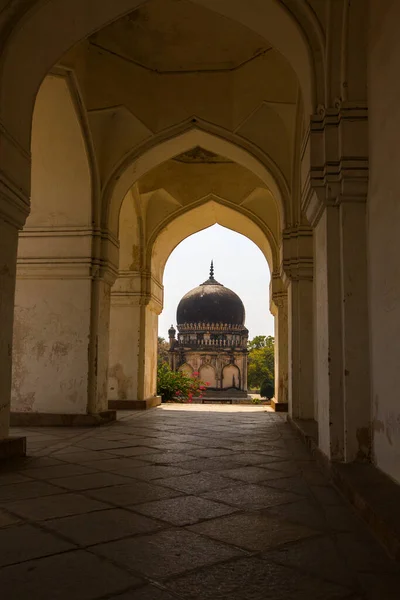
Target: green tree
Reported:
[(162, 351), (267, 389), (260, 361)]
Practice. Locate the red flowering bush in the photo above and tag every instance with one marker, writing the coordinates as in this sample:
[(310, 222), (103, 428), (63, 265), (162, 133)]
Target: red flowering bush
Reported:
[(178, 386)]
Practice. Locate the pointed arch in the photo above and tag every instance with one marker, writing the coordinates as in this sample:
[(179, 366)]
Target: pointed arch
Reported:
[(179, 140), (199, 216)]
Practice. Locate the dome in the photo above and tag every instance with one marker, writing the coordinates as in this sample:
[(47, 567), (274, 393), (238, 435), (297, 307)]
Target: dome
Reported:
[(211, 302)]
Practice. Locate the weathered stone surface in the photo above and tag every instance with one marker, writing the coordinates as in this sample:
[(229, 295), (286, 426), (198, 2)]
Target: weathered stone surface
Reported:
[(254, 531), (166, 553), (193, 535), (185, 510)]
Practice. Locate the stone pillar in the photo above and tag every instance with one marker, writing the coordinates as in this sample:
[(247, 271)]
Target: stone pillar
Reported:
[(301, 371), (298, 276), (342, 346), (279, 308), (8, 262), (133, 341), (60, 354), (14, 208), (334, 200)]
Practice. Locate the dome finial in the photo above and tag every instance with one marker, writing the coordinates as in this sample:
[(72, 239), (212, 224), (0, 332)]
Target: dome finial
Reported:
[(212, 270)]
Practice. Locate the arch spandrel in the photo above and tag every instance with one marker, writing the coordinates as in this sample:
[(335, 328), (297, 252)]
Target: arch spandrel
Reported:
[(178, 144)]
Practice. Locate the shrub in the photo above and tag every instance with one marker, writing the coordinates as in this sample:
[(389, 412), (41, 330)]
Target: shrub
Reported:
[(175, 385), (267, 389)]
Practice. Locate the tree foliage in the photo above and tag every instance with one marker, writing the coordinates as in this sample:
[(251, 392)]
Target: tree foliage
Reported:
[(267, 389), (261, 361), (162, 351)]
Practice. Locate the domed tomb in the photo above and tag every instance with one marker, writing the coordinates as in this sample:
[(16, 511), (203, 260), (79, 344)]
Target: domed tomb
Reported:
[(212, 337), (211, 302)]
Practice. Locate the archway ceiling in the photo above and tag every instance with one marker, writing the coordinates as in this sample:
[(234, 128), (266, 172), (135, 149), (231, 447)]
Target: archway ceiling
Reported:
[(176, 35), (187, 182), (169, 61)]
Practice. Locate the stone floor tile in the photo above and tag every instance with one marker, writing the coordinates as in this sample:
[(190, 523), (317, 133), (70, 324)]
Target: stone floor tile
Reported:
[(363, 553), (251, 474), (150, 472), (84, 456), (197, 483), (67, 449), (210, 464), (6, 519), (248, 458), (132, 493), (256, 496), (11, 478), (63, 470), (75, 575), (31, 489), (285, 466), (254, 579), (102, 526), (254, 531), (209, 452), (149, 592), (91, 481), (115, 464), (23, 542), (316, 556), (377, 587), (343, 518), (166, 553), (184, 510), (164, 458), (135, 451), (302, 511), (52, 507), (92, 443), (293, 484), (327, 495)]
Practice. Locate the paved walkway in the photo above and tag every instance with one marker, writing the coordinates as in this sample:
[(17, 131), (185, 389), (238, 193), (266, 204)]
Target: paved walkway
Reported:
[(183, 502)]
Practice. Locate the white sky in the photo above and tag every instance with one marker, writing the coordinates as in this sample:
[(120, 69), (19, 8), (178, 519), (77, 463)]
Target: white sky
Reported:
[(239, 265)]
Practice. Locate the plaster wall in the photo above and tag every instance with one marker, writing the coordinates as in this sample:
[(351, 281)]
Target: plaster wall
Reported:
[(383, 232), (60, 169), (53, 304), (51, 336), (124, 350), (149, 352), (207, 374)]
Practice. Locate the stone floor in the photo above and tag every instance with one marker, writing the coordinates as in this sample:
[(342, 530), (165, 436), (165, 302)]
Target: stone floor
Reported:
[(182, 502)]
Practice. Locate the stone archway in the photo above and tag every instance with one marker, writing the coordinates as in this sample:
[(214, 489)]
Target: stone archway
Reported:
[(231, 377), (208, 375)]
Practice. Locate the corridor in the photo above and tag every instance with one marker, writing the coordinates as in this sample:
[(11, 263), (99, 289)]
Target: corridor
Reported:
[(182, 502)]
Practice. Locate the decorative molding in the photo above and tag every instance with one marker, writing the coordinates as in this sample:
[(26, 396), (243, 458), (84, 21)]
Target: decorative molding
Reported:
[(297, 254), (337, 142), (14, 202)]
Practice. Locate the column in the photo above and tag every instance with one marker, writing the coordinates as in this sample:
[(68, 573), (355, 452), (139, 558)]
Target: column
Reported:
[(342, 344), (8, 261), (60, 354), (14, 208), (334, 199), (279, 308), (136, 302), (301, 371), (124, 340), (297, 271)]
